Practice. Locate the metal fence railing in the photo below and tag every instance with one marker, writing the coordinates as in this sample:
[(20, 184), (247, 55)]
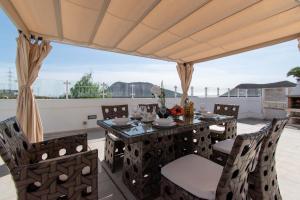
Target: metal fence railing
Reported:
[(44, 88), (50, 88)]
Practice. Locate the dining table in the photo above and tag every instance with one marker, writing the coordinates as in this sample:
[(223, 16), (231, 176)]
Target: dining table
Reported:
[(148, 147)]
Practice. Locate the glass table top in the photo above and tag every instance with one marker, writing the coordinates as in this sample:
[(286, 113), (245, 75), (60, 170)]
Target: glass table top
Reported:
[(136, 127), (214, 117)]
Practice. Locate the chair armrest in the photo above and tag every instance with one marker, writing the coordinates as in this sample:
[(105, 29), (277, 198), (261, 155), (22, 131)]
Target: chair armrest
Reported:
[(58, 147), (230, 123), (72, 177)]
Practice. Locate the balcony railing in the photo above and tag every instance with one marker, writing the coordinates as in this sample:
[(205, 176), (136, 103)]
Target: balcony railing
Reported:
[(59, 89)]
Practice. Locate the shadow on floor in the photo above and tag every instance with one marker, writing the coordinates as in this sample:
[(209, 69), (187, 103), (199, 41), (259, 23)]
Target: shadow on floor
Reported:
[(93, 134), (116, 178), (294, 127), (96, 134), (252, 121), (3, 170)]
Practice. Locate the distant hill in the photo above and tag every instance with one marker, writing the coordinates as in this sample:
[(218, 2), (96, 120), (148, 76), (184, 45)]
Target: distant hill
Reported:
[(141, 90)]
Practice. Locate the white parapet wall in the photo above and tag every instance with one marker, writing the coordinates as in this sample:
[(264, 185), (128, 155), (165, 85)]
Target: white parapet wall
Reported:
[(250, 107), (72, 114)]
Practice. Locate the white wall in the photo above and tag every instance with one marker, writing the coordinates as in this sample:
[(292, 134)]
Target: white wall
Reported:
[(270, 113), (250, 107), (275, 102), (66, 115)]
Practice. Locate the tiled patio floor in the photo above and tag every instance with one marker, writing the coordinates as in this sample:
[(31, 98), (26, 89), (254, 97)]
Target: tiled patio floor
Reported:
[(288, 164)]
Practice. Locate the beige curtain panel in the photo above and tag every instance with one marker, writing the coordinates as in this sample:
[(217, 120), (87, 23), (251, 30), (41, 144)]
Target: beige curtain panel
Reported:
[(30, 55), (185, 71)]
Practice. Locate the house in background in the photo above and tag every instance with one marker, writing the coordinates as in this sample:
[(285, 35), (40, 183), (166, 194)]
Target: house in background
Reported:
[(275, 99), (273, 96), (256, 90)]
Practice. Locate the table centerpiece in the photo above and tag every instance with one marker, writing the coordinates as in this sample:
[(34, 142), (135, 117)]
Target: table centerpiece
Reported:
[(159, 93), (176, 112)]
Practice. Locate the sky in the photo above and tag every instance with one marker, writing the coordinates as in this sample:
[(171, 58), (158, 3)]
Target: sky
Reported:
[(67, 62)]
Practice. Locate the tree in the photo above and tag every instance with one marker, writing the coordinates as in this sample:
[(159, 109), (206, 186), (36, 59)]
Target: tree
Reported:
[(294, 72), (86, 88)]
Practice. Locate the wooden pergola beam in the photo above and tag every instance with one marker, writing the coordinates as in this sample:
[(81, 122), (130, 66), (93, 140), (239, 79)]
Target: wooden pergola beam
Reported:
[(99, 20), (57, 6)]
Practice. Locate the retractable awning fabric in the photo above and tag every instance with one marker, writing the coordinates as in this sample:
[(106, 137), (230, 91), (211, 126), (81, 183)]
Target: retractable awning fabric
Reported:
[(175, 30)]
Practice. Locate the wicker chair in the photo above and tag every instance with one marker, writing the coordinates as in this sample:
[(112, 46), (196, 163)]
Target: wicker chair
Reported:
[(263, 181), (114, 147), (226, 109), (150, 107), (195, 178), (220, 132), (54, 169), (221, 151)]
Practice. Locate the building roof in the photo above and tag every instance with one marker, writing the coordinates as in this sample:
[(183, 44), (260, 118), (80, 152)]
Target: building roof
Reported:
[(267, 85), (174, 30)]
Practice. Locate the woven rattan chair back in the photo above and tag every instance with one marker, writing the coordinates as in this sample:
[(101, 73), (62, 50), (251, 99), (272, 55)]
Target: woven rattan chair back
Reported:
[(150, 107), (13, 145), (114, 111), (263, 182), (228, 110), (113, 147), (40, 171), (242, 160)]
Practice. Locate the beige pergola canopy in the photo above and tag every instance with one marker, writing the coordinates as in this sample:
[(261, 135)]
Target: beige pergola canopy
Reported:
[(174, 30)]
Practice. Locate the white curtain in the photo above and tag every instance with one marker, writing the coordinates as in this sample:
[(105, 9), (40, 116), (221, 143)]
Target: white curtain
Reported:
[(185, 72), (299, 43), (30, 55)]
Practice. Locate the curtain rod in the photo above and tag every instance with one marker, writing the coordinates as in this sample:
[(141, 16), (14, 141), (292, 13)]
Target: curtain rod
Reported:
[(32, 37)]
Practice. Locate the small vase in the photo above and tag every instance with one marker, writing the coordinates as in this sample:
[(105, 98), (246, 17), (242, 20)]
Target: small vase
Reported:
[(163, 112)]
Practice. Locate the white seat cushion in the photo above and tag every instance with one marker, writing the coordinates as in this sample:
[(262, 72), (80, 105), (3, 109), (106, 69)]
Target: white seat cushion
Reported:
[(224, 146), (217, 128), (195, 174)]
